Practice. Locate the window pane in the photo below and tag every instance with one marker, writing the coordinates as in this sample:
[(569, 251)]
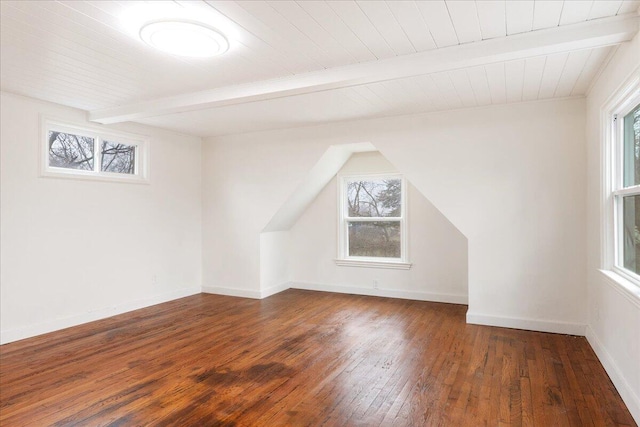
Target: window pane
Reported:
[(374, 198), (632, 148), (374, 239), (118, 158), (70, 151), (631, 233)]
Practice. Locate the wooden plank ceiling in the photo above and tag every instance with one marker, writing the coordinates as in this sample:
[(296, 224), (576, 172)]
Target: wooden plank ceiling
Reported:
[(86, 54)]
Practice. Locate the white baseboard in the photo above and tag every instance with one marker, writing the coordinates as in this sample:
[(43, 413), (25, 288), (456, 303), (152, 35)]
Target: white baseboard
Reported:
[(232, 292), (264, 293), (388, 293), (617, 377), (557, 327), (245, 293), (10, 335)]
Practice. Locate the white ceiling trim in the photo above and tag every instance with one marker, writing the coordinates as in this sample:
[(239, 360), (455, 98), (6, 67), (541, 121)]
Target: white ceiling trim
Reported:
[(586, 35)]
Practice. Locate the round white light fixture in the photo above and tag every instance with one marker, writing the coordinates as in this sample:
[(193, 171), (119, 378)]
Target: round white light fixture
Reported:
[(184, 38)]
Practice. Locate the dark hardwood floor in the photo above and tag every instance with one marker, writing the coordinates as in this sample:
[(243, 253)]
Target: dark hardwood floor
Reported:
[(303, 358)]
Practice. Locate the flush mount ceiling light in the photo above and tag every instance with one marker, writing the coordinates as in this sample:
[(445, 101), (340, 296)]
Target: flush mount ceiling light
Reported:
[(184, 38)]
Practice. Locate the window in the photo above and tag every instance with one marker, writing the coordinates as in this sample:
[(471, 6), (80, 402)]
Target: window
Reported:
[(372, 221), (626, 192), (117, 157), (79, 152)]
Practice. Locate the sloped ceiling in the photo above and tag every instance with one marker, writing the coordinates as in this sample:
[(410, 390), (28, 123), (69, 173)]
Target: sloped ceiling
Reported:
[(295, 63)]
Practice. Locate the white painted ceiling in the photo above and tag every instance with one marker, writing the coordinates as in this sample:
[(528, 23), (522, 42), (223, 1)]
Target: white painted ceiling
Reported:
[(295, 63)]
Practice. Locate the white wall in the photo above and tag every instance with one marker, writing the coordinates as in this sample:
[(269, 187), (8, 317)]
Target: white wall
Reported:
[(275, 270), (437, 251), (74, 251), (244, 186), (614, 314), (510, 178)]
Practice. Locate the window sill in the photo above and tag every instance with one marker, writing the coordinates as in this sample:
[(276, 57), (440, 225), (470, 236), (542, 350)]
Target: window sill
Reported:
[(624, 286), (104, 177), (395, 265)]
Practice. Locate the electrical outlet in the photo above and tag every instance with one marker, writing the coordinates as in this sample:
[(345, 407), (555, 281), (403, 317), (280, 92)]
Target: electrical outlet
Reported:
[(375, 283), (154, 279)]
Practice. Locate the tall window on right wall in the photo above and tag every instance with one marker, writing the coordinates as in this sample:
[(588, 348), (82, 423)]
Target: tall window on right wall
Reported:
[(626, 191)]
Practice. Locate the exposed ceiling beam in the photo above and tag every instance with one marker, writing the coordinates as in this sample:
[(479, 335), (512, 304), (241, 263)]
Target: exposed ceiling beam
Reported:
[(586, 35)]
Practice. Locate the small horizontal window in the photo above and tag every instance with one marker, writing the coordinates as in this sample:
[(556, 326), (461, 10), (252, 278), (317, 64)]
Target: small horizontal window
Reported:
[(77, 152)]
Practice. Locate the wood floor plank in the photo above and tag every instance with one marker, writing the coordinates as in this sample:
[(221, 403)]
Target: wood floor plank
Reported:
[(302, 358)]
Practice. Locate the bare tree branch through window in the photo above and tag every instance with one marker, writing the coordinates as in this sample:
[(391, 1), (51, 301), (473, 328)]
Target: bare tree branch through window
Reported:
[(382, 199), (118, 158), (71, 151), (92, 153)]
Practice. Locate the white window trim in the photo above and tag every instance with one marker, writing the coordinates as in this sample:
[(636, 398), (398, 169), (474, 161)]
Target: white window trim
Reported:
[(619, 104), (141, 143), (343, 259)]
